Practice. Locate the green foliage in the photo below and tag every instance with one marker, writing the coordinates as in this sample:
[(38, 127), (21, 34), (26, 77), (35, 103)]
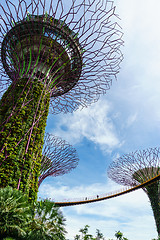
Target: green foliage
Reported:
[(15, 213), (48, 223), (23, 114), (8, 238), (86, 236), (99, 236), (119, 236), (21, 219)]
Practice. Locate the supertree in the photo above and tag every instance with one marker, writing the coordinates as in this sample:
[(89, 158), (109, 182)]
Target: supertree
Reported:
[(58, 53), (58, 157), (136, 168)]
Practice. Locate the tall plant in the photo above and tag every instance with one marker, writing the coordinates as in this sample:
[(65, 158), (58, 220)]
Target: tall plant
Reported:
[(15, 213)]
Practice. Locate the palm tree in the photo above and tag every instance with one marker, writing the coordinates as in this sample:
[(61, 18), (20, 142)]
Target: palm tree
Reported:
[(48, 223), (99, 235), (85, 235), (20, 219), (77, 237), (84, 231), (15, 213), (119, 236)]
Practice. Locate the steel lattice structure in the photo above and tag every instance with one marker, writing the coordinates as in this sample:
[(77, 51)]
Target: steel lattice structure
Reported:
[(84, 34), (58, 157), (136, 168), (58, 53)]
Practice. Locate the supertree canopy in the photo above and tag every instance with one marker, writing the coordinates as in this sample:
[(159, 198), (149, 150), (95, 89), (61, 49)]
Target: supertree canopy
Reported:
[(58, 157), (136, 168), (58, 53)]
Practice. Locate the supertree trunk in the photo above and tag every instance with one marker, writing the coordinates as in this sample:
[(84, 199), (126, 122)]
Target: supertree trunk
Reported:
[(153, 192), (23, 114)]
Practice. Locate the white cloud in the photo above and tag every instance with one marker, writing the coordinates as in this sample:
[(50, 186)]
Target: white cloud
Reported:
[(140, 21), (92, 123), (136, 94), (131, 119)]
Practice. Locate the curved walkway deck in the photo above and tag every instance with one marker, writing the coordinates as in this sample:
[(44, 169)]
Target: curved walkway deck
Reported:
[(107, 196)]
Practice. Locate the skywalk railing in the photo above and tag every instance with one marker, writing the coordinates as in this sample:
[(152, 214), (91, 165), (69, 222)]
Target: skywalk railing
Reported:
[(99, 197)]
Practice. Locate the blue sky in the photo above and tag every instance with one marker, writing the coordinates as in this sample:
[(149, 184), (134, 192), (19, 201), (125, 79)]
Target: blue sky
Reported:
[(127, 118)]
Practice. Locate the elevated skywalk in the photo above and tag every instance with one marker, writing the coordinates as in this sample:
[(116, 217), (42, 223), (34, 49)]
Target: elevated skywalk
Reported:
[(107, 196)]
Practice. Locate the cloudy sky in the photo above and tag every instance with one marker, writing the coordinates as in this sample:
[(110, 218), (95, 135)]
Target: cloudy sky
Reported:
[(127, 118)]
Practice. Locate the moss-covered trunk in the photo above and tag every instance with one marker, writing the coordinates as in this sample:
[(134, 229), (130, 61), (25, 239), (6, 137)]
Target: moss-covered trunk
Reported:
[(23, 114), (153, 192)]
